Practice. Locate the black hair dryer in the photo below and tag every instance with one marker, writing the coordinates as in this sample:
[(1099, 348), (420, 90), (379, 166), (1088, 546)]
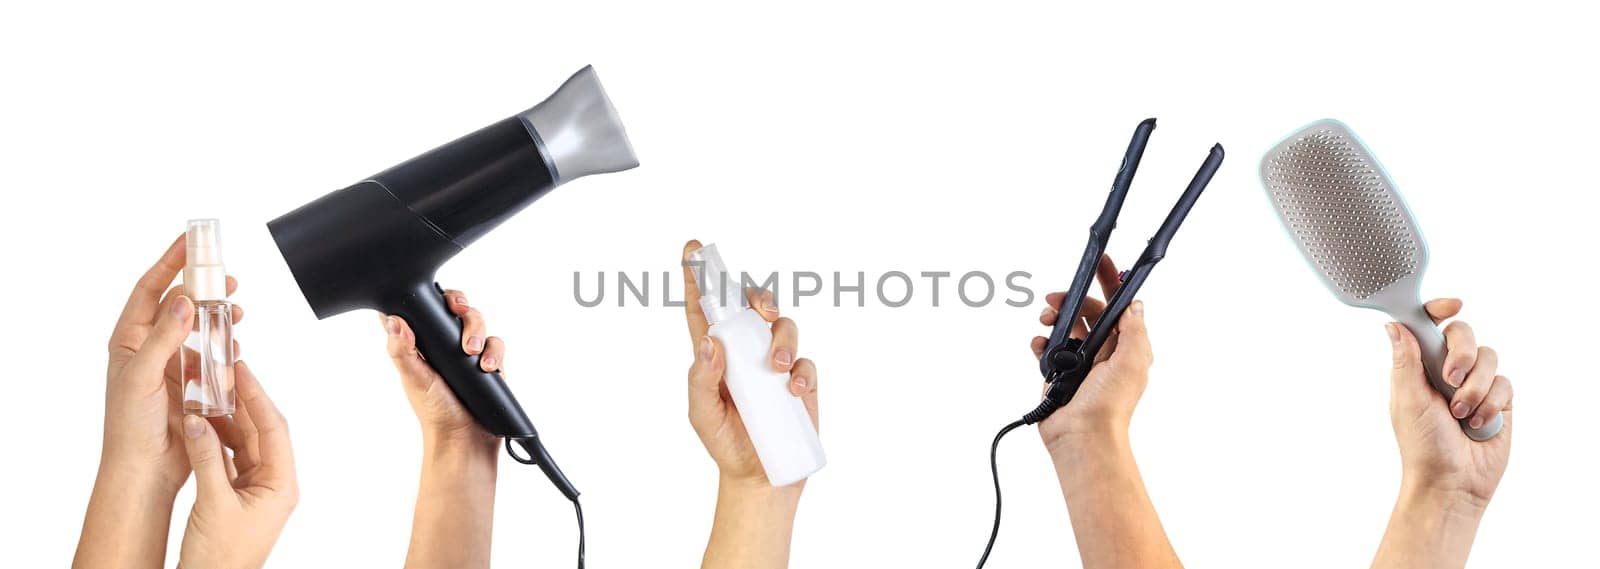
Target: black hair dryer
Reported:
[(377, 244)]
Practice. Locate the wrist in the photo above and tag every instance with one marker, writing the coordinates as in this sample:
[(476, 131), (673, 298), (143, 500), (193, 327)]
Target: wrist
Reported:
[(470, 442), (1451, 503), (136, 492), (461, 454), (758, 490), (126, 522), (758, 499), (1076, 434), (1429, 528), (753, 524), (137, 480)]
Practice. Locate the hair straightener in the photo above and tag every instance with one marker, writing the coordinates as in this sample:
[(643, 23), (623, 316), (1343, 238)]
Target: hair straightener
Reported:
[(1067, 360)]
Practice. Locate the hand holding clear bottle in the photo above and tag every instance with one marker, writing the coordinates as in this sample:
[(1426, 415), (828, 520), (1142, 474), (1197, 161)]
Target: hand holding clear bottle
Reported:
[(243, 498), (143, 462)]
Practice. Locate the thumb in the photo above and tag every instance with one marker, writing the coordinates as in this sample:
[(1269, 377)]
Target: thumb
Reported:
[(402, 348), (205, 457), (705, 376), (148, 365), (1407, 380), (1133, 339)]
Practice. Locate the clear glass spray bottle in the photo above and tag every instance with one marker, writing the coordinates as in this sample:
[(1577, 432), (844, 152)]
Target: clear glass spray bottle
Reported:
[(780, 428), (207, 362)]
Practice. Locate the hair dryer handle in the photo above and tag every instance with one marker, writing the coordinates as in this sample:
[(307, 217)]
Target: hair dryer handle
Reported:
[(483, 393), (1433, 352), (438, 332)]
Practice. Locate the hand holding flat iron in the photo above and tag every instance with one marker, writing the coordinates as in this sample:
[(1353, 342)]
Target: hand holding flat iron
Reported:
[(1108, 395), (1113, 519)]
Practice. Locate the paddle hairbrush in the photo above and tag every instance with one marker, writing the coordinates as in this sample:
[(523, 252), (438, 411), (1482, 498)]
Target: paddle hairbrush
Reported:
[(1343, 211)]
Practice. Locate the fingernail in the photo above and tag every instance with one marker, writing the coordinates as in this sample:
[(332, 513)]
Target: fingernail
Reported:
[(1456, 377), (1394, 333), (490, 362), (461, 299), (783, 357), (1048, 310), (1460, 410), (706, 349), (392, 325), (768, 306), (180, 307), (475, 343), (193, 426), (1476, 422), (800, 381), (1138, 308)]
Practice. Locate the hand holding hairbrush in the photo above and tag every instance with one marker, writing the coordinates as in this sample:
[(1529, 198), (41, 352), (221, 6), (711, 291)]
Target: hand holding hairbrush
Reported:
[(1344, 213)]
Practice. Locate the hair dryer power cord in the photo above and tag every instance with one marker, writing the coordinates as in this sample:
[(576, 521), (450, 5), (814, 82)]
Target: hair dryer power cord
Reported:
[(994, 469), (576, 506)]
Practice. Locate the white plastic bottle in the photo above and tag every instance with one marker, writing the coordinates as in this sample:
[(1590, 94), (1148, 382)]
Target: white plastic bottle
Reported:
[(779, 427)]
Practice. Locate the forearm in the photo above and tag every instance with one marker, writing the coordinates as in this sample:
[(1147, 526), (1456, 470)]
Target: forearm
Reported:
[(126, 523), (454, 520), (1429, 530), (1115, 522), (752, 527)]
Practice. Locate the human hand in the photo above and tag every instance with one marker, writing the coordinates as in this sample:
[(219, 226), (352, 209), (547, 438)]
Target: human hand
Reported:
[(442, 416), (454, 517), (1437, 457), (142, 461), (711, 408), (754, 521), (1113, 519), (1105, 401), (1447, 478), (242, 500), (144, 391)]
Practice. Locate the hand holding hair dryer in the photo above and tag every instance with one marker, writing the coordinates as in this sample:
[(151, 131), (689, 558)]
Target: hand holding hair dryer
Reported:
[(377, 244), (780, 429)]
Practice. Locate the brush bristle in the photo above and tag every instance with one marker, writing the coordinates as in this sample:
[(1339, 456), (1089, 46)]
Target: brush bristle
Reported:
[(1338, 203)]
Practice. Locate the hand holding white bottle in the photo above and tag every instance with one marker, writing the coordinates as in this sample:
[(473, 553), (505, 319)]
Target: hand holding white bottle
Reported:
[(779, 427)]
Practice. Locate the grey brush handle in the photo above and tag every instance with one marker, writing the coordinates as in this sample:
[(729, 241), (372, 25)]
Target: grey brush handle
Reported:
[(1431, 340)]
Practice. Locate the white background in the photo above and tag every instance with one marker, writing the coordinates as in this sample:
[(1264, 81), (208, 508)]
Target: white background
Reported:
[(822, 137)]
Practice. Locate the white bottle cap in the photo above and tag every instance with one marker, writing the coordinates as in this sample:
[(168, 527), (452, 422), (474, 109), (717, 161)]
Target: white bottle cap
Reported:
[(721, 290), (204, 277)]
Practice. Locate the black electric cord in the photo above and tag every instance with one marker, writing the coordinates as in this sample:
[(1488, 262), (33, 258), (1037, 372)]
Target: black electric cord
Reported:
[(994, 469), (579, 508), (576, 506)]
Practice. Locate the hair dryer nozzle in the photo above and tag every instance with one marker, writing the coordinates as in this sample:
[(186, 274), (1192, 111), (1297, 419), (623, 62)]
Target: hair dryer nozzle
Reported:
[(579, 130)]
